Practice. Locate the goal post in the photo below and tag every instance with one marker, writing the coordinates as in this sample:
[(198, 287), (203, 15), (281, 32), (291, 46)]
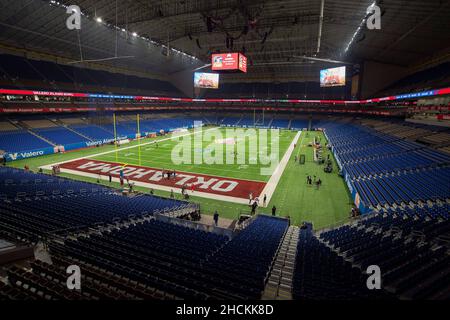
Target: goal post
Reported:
[(115, 135), (138, 137)]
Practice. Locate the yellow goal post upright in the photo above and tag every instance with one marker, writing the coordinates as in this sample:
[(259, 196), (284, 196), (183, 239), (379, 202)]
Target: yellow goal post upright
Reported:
[(115, 135), (138, 136)]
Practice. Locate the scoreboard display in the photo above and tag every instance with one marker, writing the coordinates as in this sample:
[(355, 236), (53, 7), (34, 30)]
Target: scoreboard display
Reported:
[(206, 80), (231, 62), (333, 77)]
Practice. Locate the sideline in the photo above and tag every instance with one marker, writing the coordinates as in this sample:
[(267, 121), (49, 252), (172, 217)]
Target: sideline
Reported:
[(272, 184)]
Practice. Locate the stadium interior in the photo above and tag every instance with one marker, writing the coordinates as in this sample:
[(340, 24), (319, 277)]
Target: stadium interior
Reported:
[(95, 99)]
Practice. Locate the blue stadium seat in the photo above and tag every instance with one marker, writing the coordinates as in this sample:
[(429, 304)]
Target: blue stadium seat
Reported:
[(21, 140)]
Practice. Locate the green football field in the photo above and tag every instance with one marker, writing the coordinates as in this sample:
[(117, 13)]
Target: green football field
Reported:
[(324, 207), (160, 155)]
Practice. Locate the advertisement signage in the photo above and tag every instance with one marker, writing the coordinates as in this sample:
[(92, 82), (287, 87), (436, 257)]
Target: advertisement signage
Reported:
[(243, 63), (229, 62)]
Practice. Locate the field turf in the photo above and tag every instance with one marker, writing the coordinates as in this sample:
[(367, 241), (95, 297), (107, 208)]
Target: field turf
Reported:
[(160, 155), (325, 207)]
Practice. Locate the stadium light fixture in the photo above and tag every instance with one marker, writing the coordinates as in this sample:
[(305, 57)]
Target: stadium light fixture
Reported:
[(100, 20)]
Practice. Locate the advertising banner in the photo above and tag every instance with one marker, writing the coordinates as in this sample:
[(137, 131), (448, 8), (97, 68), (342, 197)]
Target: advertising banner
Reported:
[(28, 154), (229, 62)]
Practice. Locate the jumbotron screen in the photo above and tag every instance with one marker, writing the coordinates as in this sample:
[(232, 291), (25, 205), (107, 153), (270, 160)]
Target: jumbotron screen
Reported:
[(206, 80), (229, 62), (334, 77)]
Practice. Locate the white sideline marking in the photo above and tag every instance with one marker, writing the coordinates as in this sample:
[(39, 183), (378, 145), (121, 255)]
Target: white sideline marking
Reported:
[(272, 184)]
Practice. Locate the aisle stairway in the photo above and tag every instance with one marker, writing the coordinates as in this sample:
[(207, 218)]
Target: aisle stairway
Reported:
[(279, 285)]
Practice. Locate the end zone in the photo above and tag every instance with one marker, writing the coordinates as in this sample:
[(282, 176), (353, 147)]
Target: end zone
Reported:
[(213, 187)]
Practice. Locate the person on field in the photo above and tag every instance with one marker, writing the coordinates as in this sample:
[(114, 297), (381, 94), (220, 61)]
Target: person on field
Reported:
[(216, 218), (318, 183), (264, 200), (254, 206), (274, 210), (130, 185)]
